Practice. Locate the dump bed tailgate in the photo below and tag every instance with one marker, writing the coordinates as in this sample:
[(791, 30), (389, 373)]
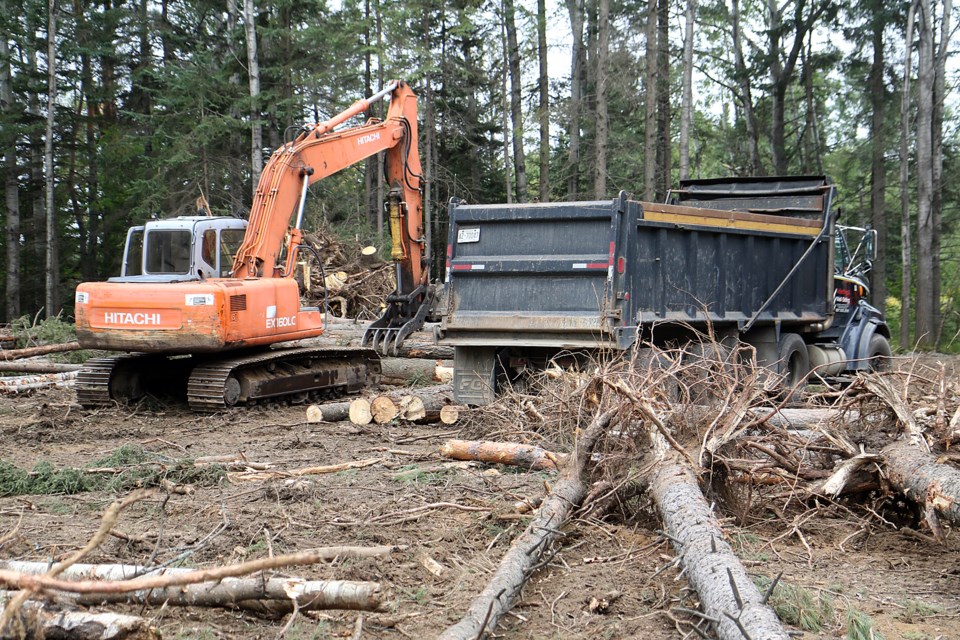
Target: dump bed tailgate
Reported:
[(539, 273)]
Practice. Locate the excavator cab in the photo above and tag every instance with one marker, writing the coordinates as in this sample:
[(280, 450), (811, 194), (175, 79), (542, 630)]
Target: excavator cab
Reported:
[(182, 249)]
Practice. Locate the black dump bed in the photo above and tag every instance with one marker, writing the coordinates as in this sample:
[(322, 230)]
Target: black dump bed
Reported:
[(587, 274)]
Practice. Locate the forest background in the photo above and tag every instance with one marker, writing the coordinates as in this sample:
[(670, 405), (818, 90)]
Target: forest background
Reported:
[(116, 111)]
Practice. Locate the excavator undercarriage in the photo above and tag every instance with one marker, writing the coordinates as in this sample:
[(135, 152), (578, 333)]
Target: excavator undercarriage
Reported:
[(214, 382)]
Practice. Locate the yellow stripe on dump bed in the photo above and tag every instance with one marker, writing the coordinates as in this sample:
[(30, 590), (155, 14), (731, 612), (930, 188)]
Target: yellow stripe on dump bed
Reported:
[(729, 219)]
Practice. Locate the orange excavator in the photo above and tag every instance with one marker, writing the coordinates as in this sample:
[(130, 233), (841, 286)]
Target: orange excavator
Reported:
[(197, 307)]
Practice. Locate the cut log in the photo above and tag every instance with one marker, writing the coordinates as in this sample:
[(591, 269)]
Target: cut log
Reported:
[(727, 594), (412, 409), (918, 475), (230, 592), (518, 455), (369, 257), (529, 548), (433, 398), (37, 621), (450, 413), (39, 381), (383, 410), (314, 413), (412, 370), (344, 332), (360, 411), (29, 352), (38, 366), (348, 595)]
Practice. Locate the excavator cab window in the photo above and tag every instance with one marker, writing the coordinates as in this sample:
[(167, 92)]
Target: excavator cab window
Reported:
[(168, 251), (230, 240), (133, 253)]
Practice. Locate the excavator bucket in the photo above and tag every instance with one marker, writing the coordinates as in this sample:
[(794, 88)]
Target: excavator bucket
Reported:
[(404, 315)]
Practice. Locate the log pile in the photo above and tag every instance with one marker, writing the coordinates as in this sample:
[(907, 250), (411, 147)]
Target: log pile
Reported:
[(354, 281)]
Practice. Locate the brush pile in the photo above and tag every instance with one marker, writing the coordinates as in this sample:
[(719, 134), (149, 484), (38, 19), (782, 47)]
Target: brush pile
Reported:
[(354, 281), (696, 437)]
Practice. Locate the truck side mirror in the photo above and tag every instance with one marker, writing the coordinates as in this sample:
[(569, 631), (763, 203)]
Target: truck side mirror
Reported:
[(871, 240)]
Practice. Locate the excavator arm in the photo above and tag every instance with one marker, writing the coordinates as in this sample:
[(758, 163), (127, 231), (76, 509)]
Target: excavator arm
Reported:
[(270, 245)]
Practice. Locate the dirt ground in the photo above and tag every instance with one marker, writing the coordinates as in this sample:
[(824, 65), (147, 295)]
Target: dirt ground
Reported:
[(841, 562)]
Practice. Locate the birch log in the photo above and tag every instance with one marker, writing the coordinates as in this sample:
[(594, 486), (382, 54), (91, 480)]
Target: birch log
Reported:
[(36, 621), (404, 370), (727, 594), (38, 366), (39, 381), (529, 548)]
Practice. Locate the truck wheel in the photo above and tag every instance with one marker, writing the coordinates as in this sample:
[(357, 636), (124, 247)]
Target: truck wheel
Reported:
[(879, 353), (793, 362)]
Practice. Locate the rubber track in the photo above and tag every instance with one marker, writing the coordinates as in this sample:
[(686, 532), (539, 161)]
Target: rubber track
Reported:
[(206, 385), (93, 381)]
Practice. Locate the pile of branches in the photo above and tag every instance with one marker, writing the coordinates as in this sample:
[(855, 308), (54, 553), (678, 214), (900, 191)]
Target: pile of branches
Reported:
[(353, 282), (699, 433)]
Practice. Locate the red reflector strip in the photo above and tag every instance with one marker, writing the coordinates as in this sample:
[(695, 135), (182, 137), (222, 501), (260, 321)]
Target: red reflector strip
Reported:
[(590, 265), (469, 267), (610, 260)]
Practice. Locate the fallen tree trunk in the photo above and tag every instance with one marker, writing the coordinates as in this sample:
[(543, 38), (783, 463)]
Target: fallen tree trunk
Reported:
[(29, 352), (528, 549), (36, 621), (921, 478), (433, 399), (39, 381), (219, 586), (347, 333), (728, 596), (38, 366), (518, 455)]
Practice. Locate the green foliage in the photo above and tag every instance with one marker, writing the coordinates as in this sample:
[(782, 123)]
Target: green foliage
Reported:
[(31, 332), (799, 606), (127, 468), (916, 610), (860, 626)]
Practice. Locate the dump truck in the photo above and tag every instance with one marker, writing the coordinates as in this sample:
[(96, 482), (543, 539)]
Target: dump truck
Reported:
[(759, 260)]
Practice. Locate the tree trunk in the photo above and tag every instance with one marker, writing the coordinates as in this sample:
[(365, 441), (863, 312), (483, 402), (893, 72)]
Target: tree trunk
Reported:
[(925, 481), (727, 594), (878, 169), (38, 366), (29, 352), (576, 10), (407, 370), (924, 326), (8, 146), (664, 155), (650, 105), (505, 111), (686, 100), (745, 93), (544, 86), (939, 96), (253, 70), (52, 298), (516, 104), (906, 264), (602, 123), (229, 592), (37, 621), (528, 549)]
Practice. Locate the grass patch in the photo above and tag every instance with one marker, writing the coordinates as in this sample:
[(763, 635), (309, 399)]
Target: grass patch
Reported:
[(131, 468), (799, 606), (916, 610), (860, 626)]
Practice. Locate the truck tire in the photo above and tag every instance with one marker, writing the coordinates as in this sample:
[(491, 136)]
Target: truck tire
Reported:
[(879, 353), (793, 361)]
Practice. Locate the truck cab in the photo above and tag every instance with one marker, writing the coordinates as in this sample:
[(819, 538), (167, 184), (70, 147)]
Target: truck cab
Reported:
[(181, 249)]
